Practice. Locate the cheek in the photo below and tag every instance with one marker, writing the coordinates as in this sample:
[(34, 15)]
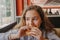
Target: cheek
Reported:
[(37, 23)]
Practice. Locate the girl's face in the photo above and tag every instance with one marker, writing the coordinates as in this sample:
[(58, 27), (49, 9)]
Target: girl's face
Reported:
[(32, 18)]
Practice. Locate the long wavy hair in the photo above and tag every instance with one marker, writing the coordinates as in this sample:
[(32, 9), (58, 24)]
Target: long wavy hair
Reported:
[(45, 25)]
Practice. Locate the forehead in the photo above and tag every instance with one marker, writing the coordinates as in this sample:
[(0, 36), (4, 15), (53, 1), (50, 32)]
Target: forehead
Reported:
[(32, 13)]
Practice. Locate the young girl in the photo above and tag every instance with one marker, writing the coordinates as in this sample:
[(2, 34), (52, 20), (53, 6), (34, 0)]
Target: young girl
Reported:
[(34, 26)]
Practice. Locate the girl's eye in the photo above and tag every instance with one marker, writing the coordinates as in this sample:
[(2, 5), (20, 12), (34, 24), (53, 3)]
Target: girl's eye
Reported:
[(35, 19), (27, 19)]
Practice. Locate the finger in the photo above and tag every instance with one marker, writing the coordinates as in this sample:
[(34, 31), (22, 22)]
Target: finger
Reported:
[(36, 30), (35, 36), (33, 33), (36, 33)]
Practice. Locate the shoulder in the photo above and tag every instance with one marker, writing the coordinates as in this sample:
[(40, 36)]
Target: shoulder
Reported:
[(52, 35), (12, 31)]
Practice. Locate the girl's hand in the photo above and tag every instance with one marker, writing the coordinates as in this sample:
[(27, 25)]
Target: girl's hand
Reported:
[(30, 31), (22, 31), (35, 32)]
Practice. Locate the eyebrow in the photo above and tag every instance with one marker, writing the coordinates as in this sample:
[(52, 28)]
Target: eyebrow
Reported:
[(34, 16)]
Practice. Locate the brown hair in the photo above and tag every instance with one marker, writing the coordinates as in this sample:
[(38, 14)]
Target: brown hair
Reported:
[(45, 25)]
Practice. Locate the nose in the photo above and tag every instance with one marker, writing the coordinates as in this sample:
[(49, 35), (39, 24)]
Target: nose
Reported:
[(30, 23)]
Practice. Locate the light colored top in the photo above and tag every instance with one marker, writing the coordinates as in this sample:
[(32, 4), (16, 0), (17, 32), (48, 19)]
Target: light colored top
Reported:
[(28, 38), (52, 36), (4, 36)]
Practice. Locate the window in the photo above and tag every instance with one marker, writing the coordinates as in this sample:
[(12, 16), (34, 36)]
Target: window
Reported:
[(7, 11)]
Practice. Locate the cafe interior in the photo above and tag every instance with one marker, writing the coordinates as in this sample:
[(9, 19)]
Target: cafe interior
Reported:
[(11, 12)]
